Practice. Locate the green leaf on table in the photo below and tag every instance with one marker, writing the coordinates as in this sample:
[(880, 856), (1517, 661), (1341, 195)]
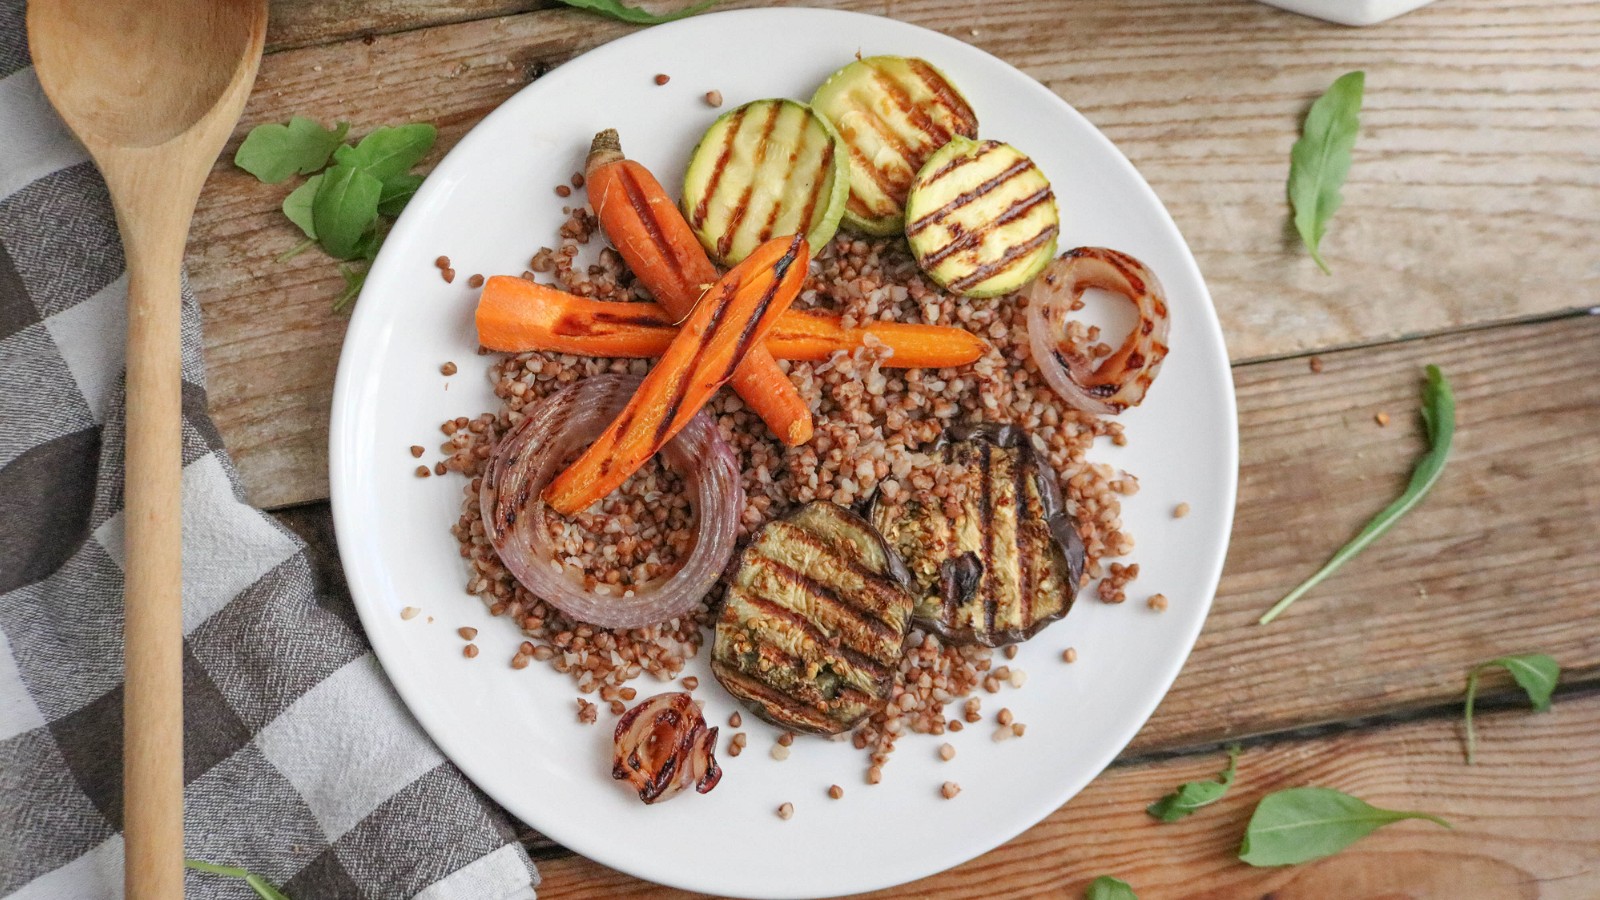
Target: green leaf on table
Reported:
[(1195, 794), (397, 192), (613, 9), (1535, 673), (354, 280), (297, 206), (274, 152), (1439, 420), (1320, 159), (1107, 888), (388, 152), (263, 888), (1305, 823), (344, 209)]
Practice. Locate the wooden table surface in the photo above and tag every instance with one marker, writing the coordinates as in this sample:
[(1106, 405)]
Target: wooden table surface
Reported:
[(1469, 238)]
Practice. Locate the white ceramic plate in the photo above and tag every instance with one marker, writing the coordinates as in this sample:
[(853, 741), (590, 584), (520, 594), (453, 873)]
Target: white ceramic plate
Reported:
[(488, 206)]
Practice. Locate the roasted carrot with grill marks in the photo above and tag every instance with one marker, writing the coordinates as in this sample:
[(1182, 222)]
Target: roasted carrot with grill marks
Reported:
[(731, 319), (515, 315), (661, 249)]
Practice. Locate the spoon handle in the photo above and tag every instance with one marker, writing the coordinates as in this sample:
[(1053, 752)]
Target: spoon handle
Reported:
[(153, 633)]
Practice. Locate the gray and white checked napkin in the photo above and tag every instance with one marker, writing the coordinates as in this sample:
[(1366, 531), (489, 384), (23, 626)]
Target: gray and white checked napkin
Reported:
[(300, 762)]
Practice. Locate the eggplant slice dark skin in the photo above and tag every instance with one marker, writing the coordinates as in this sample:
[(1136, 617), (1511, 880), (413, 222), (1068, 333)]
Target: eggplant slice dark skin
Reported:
[(1010, 564), (814, 622)]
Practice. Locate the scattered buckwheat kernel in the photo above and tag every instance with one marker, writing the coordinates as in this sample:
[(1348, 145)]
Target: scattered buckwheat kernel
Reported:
[(423, 471), (476, 281), (1018, 678), (1017, 728), (520, 661), (713, 98), (448, 368), (409, 612), (438, 468), (577, 179), (835, 791), (467, 633), (690, 683), (449, 275), (1158, 602), (470, 651), (949, 790), (874, 774), (955, 725), (1382, 419), (1069, 655), (1011, 651), (786, 811), (1181, 510), (587, 712), (786, 739), (442, 262), (735, 720), (947, 752), (1003, 733), (1315, 363), (627, 693), (563, 191), (618, 707), (416, 451), (1004, 717), (663, 78), (780, 752)]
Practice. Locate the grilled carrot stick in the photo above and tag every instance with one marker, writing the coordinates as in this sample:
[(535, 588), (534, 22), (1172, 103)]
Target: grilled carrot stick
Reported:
[(733, 317), (662, 251), (515, 314)]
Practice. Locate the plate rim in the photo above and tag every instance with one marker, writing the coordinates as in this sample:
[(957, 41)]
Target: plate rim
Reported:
[(383, 644)]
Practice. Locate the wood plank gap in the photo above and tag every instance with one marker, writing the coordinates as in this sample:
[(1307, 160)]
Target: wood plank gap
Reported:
[(1512, 322)]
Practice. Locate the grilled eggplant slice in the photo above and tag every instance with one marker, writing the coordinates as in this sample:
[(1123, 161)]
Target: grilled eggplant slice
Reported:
[(893, 112), (981, 218), (1010, 563), (766, 169), (814, 622)]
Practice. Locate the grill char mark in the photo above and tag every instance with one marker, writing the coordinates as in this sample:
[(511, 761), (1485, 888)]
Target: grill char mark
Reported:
[(742, 208), (1013, 255), (641, 208), (882, 588), (702, 208), (973, 239), (1009, 172), (817, 187), (945, 95), (986, 536)]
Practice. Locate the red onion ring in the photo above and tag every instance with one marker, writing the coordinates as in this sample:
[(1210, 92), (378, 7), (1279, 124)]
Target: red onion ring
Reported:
[(530, 455), (1123, 378), (662, 746)]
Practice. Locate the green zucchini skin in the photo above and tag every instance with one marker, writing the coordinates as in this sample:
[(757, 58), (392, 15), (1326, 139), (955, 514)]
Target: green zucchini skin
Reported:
[(762, 170), (813, 625), (893, 112), (1010, 563), (981, 218)]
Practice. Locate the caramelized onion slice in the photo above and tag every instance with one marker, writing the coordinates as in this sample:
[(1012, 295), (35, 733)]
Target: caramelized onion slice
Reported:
[(662, 746), (531, 454), (1123, 378)]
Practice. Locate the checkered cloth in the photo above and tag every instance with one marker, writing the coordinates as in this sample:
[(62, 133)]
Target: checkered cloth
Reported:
[(300, 762)]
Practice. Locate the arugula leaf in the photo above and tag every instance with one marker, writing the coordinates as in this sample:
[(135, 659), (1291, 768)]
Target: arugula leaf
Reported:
[(613, 9), (1535, 673), (397, 192), (297, 206), (1439, 420), (263, 888), (1195, 794), (273, 152), (1107, 888), (1320, 159), (344, 209), (354, 280), (388, 152), (1306, 823)]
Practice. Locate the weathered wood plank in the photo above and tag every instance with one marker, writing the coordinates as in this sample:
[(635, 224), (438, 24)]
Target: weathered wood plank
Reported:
[(1474, 196), (1527, 823), (1501, 558)]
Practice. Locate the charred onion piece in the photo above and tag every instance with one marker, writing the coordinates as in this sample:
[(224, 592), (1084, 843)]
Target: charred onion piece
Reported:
[(662, 746), (1123, 378), (1009, 563), (814, 623)]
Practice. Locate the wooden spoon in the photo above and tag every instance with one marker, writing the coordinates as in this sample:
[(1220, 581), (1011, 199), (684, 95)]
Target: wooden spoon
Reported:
[(152, 88)]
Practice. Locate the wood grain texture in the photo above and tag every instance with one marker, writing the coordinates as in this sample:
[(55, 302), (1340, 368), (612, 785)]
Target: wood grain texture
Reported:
[(1474, 195), (1526, 824)]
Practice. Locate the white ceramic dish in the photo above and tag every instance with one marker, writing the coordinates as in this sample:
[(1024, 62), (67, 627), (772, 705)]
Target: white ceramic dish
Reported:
[(489, 205), (1350, 12)]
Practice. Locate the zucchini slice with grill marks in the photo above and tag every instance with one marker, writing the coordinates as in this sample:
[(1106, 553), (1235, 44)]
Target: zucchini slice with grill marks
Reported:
[(981, 218), (1005, 567), (814, 622), (893, 112), (766, 169)]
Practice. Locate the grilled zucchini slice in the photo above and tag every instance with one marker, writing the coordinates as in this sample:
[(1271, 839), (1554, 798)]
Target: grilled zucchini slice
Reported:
[(1010, 563), (893, 112), (981, 218), (814, 622), (765, 169)]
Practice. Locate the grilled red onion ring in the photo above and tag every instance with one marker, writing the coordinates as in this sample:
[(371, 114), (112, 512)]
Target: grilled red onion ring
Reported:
[(1122, 379), (531, 454), (662, 746)]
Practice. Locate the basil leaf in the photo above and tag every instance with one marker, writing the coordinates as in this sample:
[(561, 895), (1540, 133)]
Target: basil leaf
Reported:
[(297, 206), (263, 888), (1439, 420), (274, 152), (1306, 823), (345, 208), (1107, 888), (1535, 673), (1320, 159), (1195, 794), (612, 9), (388, 152), (397, 192)]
